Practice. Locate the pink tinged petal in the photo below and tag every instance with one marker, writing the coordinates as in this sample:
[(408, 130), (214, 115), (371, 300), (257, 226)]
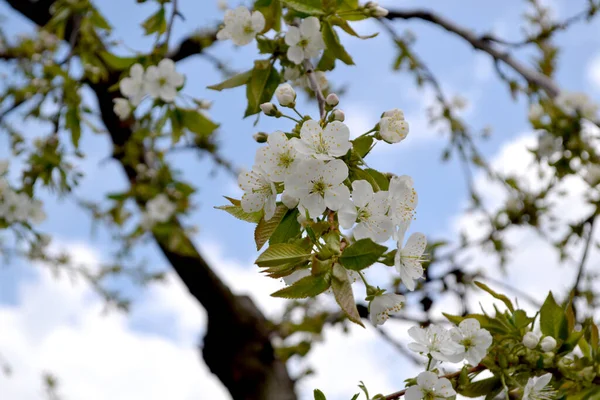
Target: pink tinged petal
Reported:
[(337, 196), (309, 26), (362, 193), (335, 172), (415, 245), (292, 37), (444, 388), (347, 215), (258, 21), (427, 380), (413, 393), (314, 203)]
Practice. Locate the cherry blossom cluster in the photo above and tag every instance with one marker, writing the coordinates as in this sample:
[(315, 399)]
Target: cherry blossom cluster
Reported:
[(17, 207), (158, 82), (158, 210)]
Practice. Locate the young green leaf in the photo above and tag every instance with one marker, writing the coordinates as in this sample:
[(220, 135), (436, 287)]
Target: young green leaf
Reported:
[(282, 253), (332, 41), (498, 296), (234, 81), (480, 388), (116, 62), (309, 286), (362, 145), (361, 254), (553, 321), (312, 7), (342, 291), (382, 181), (239, 213), (271, 10), (197, 123), (288, 228), (261, 86), (156, 23), (319, 395), (265, 229)]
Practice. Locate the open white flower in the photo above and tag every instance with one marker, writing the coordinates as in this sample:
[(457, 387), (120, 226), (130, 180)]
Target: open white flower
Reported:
[(122, 108), (286, 95), (323, 144), (163, 80), (259, 192), (305, 41), (160, 208), (381, 307), (576, 103), (436, 341), (280, 158), (392, 126), (429, 387), (241, 26), (319, 185), (403, 200), (369, 210), (134, 86), (475, 340), (538, 388), (408, 259)]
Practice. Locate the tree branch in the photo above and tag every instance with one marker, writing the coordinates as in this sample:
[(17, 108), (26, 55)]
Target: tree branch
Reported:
[(533, 77), (309, 69)]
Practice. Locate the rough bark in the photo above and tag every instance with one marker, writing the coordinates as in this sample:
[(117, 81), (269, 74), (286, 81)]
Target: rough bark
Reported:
[(237, 346)]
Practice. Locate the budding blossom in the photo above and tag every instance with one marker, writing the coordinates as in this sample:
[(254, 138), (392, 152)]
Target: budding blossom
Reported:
[(332, 100), (392, 126), (531, 340), (162, 81), (259, 192), (323, 144), (429, 387), (381, 307), (369, 209), (548, 344), (241, 26), (304, 41), (122, 108), (338, 115), (269, 109), (538, 388), (475, 340), (286, 95)]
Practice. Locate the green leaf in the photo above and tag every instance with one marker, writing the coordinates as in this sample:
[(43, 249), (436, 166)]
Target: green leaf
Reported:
[(312, 7), (282, 253), (234, 81), (480, 388), (266, 45), (332, 41), (342, 291), (239, 213), (197, 123), (553, 321), (73, 124), (327, 61), (498, 296), (319, 395), (520, 319), (382, 181), (362, 145), (342, 23), (360, 174), (486, 322), (261, 86), (156, 23), (115, 62), (361, 254), (265, 229), (271, 9), (288, 228), (308, 286)]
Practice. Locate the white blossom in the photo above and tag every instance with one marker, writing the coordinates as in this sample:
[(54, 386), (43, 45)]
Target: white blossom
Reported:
[(280, 158), (403, 199), (134, 86), (241, 26), (304, 41), (319, 185), (576, 103), (381, 307), (429, 387), (288, 200), (536, 112), (408, 259), (538, 388), (548, 344), (4, 164), (531, 340), (475, 340), (392, 126), (160, 208), (122, 108), (323, 144), (19, 207), (436, 341), (592, 175), (259, 192), (548, 145), (338, 115), (369, 210), (286, 95), (162, 81), (332, 100)]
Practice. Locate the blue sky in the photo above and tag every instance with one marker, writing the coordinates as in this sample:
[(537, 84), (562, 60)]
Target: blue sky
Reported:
[(371, 89)]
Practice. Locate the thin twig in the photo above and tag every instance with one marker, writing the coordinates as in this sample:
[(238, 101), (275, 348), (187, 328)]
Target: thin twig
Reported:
[(397, 345), (172, 21), (397, 395), (533, 77), (314, 85), (584, 255)]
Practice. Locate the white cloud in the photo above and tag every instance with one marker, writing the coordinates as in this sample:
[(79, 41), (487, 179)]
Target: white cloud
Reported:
[(593, 72)]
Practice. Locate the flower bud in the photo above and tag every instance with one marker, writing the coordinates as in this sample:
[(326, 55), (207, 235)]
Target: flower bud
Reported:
[(261, 137), (286, 95), (269, 109), (338, 115), (379, 12), (531, 340), (332, 100), (548, 344)]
